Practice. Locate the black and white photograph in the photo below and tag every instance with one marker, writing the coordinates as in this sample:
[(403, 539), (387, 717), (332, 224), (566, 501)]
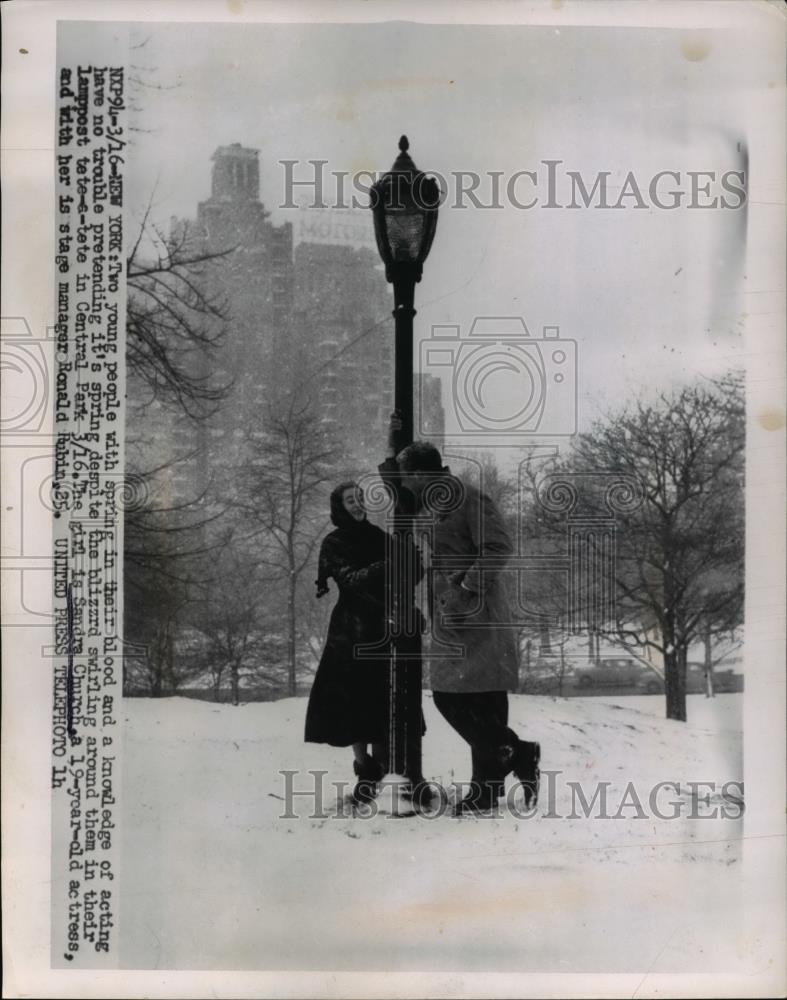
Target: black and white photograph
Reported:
[(394, 499)]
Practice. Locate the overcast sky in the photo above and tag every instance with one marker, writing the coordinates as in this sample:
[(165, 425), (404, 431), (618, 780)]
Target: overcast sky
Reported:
[(648, 294)]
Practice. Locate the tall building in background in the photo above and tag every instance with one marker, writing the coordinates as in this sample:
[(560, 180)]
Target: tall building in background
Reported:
[(253, 280), (313, 319), (344, 334), (247, 274)]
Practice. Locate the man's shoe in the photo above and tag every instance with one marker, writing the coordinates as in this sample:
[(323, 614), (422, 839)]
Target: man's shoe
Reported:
[(527, 757)]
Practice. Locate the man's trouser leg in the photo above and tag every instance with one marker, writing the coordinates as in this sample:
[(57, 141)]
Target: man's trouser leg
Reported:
[(481, 719)]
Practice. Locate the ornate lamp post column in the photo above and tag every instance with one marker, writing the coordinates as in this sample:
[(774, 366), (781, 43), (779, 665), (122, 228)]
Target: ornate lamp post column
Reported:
[(404, 204)]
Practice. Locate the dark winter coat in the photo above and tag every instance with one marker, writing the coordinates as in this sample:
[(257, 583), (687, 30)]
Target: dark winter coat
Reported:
[(469, 602), (349, 698)]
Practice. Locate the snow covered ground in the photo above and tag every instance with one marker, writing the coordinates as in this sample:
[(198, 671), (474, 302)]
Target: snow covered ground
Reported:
[(214, 878)]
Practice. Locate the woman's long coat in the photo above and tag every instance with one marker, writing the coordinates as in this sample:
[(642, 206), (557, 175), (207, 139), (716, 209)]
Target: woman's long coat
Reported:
[(473, 644), (348, 701)]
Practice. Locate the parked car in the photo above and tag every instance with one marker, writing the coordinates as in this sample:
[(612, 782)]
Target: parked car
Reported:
[(695, 678), (724, 681), (619, 672)]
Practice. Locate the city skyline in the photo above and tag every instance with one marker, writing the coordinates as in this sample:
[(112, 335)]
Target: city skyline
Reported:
[(299, 323), (581, 270)]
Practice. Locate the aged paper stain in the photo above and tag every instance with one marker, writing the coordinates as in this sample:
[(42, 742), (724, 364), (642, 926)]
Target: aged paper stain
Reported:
[(695, 49), (771, 418)]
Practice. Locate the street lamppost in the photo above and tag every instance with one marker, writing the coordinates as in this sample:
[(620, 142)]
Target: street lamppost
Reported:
[(404, 205)]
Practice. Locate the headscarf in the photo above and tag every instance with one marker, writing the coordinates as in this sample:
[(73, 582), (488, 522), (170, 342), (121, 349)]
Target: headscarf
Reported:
[(342, 518)]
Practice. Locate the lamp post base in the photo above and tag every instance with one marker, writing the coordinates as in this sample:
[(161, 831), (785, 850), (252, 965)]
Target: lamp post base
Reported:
[(395, 798)]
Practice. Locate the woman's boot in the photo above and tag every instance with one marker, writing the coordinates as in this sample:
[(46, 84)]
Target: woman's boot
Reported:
[(369, 773)]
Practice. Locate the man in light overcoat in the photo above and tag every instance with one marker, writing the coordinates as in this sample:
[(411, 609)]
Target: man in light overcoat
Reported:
[(473, 664)]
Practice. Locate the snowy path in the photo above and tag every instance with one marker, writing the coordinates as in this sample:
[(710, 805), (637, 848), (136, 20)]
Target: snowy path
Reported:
[(214, 879)]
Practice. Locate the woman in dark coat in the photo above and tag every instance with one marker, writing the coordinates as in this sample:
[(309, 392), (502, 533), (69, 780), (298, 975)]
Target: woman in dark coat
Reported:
[(349, 699)]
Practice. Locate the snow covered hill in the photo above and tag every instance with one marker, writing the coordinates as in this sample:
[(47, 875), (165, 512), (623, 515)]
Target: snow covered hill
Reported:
[(214, 878)]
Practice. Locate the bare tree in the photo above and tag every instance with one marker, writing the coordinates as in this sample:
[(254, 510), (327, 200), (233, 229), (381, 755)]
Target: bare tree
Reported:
[(680, 554), (154, 620), (165, 549), (283, 492), (174, 325), (229, 614), (173, 329)]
